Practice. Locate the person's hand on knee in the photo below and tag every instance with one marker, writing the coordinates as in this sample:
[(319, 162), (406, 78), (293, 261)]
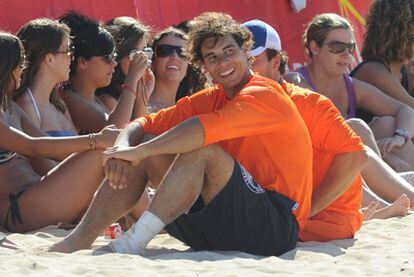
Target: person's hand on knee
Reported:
[(117, 173)]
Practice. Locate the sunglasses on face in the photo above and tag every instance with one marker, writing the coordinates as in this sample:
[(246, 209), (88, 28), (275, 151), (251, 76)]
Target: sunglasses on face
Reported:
[(146, 50), (166, 50), (69, 51), (110, 58), (338, 47)]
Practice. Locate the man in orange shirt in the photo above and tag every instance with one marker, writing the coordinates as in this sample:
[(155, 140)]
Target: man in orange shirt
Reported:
[(338, 153), (243, 176)]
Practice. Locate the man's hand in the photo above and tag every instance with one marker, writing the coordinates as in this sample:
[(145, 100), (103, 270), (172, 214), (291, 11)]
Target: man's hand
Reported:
[(117, 172), (132, 154)]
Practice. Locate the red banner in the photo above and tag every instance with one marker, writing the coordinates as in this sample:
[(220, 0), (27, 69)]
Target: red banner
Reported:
[(162, 13)]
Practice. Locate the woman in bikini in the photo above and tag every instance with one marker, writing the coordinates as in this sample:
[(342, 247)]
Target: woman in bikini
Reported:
[(49, 52), (92, 68), (29, 201)]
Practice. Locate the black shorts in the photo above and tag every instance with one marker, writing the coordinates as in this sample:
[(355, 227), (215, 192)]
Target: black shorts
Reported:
[(243, 217)]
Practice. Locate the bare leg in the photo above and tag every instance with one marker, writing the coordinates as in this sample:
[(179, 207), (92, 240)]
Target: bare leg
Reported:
[(202, 172), (109, 204), (63, 194), (384, 181), (365, 133), (368, 197)]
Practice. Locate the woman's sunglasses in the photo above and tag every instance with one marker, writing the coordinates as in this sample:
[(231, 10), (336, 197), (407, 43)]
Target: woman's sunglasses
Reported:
[(69, 51), (338, 47), (166, 50), (110, 58)]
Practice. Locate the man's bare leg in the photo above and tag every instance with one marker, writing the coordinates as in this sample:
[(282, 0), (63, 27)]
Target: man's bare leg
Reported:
[(109, 204), (205, 171)]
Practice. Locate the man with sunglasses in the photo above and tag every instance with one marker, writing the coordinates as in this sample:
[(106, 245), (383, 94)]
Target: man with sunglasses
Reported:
[(242, 179), (338, 154)]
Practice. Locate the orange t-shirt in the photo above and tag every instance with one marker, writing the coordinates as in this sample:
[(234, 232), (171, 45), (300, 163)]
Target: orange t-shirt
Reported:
[(260, 128), (330, 136)]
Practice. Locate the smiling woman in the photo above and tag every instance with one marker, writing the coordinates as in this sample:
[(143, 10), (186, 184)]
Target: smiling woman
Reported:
[(170, 67)]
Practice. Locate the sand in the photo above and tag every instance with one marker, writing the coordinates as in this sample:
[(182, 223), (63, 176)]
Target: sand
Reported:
[(382, 247)]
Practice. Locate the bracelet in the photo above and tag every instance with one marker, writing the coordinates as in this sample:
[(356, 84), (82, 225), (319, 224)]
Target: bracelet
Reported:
[(128, 88), (402, 133), (92, 141)]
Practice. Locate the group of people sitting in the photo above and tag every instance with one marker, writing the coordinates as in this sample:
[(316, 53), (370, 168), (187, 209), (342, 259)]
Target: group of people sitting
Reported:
[(242, 154)]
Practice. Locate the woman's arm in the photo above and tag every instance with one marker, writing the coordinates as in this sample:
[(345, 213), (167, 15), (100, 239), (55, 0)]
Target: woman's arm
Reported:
[(380, 104), (35, 143), (377, 75)]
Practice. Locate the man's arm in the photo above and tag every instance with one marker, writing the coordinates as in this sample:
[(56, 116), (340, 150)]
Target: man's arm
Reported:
[(185, 137), (341, 174)]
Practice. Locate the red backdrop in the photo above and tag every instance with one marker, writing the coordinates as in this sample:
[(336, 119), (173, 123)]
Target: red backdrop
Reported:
[(162, 13)]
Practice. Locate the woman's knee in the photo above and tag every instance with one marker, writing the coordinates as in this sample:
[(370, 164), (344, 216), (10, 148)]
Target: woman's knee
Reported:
[(360, 127), (383, 126)]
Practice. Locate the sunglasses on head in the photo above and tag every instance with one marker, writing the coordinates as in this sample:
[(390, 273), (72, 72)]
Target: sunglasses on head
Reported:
[(338, 47), (110, 58), (166, 50)]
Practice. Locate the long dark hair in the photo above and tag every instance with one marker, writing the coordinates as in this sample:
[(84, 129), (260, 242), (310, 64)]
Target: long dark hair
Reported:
[(126, 32), (41, 37), (11, 56), (88, 36)]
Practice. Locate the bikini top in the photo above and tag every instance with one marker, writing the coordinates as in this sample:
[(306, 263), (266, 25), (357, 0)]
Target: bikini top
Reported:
[(57, 133), (352, 103), (63, 133)]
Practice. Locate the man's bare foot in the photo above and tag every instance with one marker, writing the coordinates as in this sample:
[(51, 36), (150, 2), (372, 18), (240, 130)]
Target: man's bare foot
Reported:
[(397, 163), (369, 211), (400, 207), (67, 246)]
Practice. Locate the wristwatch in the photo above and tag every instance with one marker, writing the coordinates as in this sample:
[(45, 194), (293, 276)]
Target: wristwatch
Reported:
[(402, 133)]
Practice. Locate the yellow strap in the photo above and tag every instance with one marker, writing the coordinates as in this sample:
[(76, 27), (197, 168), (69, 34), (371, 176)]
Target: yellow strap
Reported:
[(347, 6)]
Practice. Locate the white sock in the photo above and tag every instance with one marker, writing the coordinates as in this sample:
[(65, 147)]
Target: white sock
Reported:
[(139, 235)]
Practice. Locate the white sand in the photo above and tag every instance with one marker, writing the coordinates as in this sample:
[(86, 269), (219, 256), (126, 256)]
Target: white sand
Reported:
[(382, 247)]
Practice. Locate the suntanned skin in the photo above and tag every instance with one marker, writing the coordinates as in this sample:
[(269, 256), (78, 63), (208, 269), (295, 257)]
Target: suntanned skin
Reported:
[(197, 170)]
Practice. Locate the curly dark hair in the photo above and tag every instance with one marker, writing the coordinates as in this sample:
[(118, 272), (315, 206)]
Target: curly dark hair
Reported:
[(40, 37), (395, 19), (319, 27), (213, 24)]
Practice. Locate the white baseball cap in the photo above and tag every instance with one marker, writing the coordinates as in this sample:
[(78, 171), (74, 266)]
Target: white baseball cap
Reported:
[(264, 36)]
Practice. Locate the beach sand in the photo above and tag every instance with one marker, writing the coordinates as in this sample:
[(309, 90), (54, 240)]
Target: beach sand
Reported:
[(382, 247)]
